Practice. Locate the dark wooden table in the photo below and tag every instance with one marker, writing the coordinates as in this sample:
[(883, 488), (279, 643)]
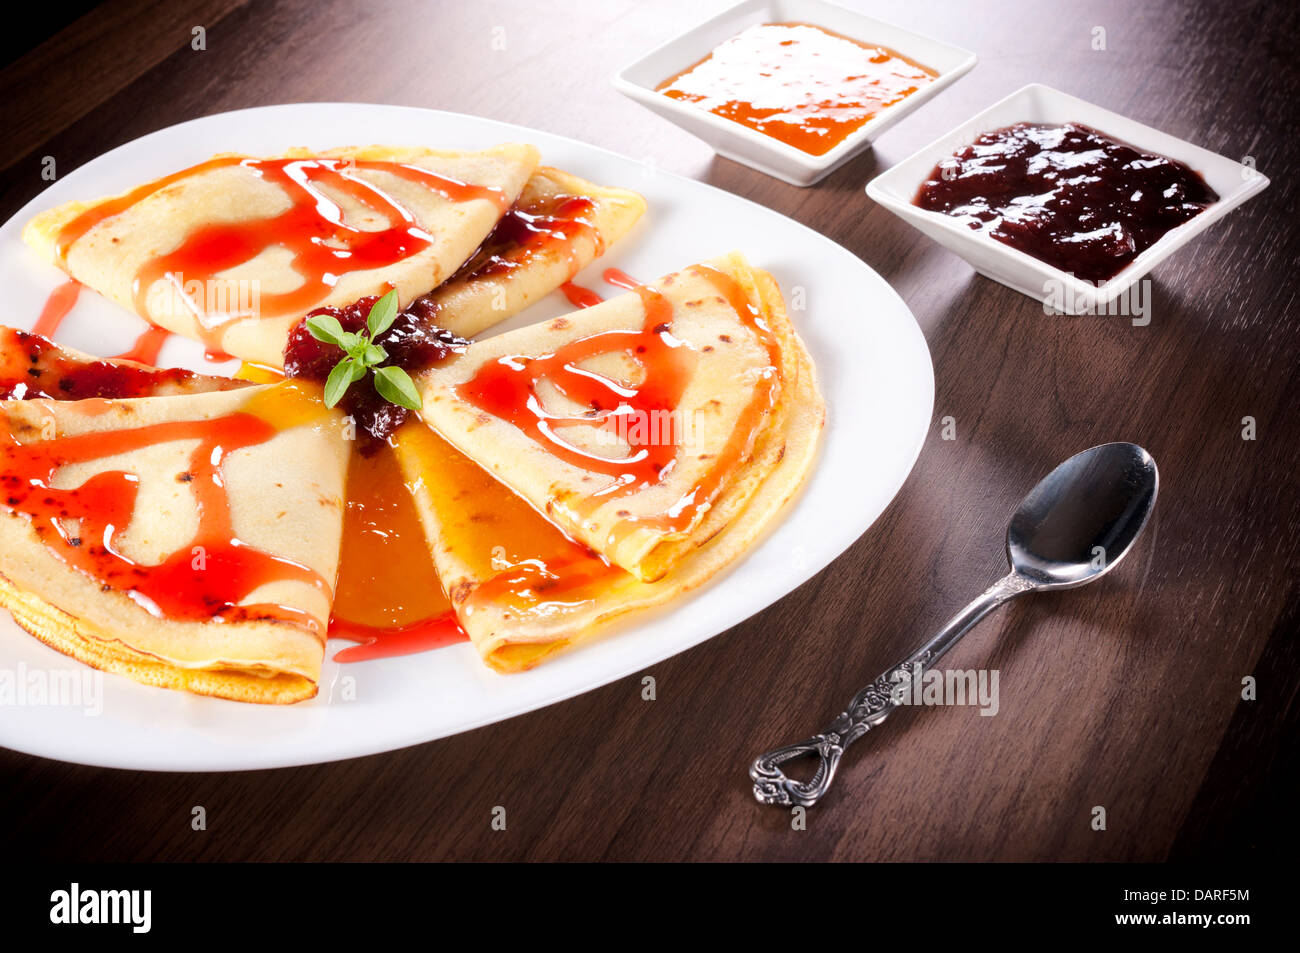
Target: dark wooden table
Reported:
[(1125, 695)]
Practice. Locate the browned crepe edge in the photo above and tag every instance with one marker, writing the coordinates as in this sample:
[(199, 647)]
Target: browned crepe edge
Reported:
[(82, 640)]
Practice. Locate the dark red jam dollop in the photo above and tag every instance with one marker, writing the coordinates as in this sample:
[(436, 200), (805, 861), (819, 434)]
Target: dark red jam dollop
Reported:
[(1067, 195), (413, 343), (548, 221)]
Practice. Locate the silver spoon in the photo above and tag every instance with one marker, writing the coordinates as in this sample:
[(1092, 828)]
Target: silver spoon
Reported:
[(1072, 528)]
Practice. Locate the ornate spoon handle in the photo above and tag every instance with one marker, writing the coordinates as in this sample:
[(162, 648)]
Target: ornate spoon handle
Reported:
[(869, 707)]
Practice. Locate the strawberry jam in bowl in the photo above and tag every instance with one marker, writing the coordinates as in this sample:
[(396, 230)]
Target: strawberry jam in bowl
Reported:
[(1067, 195)]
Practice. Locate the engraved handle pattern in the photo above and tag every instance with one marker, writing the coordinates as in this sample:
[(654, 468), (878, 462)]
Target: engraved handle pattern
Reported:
[(869, 708)]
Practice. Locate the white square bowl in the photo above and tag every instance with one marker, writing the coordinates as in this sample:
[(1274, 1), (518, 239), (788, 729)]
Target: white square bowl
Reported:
[(753, 148), (897, 187)]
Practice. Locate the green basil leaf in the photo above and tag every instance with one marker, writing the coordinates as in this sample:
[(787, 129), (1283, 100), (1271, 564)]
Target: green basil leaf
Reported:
[(382, 314), (325, 327), (396, 387), (374, 355), (353, 343), (340, 379)]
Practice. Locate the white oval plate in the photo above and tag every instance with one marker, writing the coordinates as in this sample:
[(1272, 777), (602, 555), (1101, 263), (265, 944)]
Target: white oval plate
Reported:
[(875, 372)]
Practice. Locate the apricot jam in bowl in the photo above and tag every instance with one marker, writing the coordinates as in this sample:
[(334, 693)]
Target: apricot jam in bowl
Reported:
[(1063, 200), (793, 88)]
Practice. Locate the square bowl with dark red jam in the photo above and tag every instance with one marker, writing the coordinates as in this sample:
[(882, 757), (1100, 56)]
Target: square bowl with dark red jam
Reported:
[(793, 88), (1062, 200)]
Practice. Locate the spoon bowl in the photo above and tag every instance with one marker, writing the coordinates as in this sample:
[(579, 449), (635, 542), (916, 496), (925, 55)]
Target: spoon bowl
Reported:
[(1083, 517)]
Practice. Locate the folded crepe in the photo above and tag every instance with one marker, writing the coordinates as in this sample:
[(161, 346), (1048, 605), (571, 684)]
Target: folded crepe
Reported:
[(188, 541), (523, 590), (640, 427), (235, 250), (523, 587), (558, 226), (33, 366)]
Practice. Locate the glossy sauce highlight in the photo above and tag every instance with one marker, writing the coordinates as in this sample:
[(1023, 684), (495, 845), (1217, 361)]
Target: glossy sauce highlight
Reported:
[(799, 84), (322, 245), (508, 389)]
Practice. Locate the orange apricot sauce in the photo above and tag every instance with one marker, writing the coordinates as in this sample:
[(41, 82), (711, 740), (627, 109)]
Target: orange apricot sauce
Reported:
[(105, 504), (322, 245), (522, 562), (799, 84), (744, 435), (388, 597)]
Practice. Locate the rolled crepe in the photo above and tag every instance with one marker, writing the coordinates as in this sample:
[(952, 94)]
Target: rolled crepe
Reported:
[(234, 251), (189, 542), (703, 361), (559, 225)]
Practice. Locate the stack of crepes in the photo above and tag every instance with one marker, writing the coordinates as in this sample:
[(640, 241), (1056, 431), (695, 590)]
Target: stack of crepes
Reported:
[(185, 530)]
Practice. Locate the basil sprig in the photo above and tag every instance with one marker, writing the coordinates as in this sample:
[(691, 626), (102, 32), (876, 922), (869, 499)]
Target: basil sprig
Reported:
[(362, 356)]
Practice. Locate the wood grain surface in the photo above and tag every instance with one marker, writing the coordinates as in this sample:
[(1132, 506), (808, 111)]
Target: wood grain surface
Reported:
[(1125, 695)]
